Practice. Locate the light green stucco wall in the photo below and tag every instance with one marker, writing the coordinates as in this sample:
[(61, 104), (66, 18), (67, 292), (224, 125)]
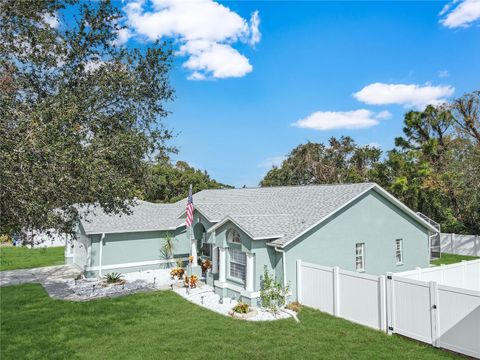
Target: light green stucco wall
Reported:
[(127, 248), (371, 220)]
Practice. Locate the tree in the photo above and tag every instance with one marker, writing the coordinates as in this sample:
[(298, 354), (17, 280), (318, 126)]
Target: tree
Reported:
[(434, 167), (79, 113), (466, 114), (167, 182), (314, 163)]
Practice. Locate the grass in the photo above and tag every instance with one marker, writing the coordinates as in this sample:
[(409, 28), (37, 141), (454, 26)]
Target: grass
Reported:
[(447, 259), (162, 325), (13, 257)]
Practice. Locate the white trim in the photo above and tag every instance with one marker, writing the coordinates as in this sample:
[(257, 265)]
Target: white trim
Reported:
[(130, 231), (135, 264), (89, 252), (100, 254), (222, 264), (404, 207), (201, 213), (239, 289), (380, 191), (284, 265)]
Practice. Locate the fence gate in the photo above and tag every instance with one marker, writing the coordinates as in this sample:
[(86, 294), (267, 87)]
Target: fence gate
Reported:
[(439, 315), (411, 308)]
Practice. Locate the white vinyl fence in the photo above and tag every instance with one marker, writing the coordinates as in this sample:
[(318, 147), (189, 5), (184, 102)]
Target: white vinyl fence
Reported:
[(440, 315), (356, 297), (460, 244), (420, 304), (465, 274)]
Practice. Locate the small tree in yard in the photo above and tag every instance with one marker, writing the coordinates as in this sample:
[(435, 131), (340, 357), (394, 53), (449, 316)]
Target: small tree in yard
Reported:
[(272, 295)]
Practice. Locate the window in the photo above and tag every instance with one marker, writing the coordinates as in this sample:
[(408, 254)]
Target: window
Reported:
[(238, 261), (207, 250), (399, 251), (234, 236), (360, 256)]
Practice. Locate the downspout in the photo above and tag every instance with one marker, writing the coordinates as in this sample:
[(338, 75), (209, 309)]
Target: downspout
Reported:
[(284, 264), (100, 255)]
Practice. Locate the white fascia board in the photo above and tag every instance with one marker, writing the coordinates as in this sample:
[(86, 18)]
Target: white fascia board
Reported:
[(128, 231), (201, 213), (403, 207), (324, 218)]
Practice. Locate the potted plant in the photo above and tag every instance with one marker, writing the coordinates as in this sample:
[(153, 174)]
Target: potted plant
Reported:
[(206, 264), (193, 281)]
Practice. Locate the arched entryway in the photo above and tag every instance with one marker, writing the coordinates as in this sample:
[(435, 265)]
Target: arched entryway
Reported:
[(204, 250)]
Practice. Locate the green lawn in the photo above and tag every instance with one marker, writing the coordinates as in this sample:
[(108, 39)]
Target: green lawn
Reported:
[(162, 325), (451, 259), (13, 257)]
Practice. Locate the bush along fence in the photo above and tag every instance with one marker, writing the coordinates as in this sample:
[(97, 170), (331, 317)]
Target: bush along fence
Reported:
[(429, 311), (460, 244)]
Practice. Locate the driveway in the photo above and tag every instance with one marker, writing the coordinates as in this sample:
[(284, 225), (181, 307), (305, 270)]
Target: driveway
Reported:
[(51, 277)]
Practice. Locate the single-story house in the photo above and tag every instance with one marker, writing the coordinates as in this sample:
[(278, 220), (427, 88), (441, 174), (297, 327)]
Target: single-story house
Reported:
[(358, 227)]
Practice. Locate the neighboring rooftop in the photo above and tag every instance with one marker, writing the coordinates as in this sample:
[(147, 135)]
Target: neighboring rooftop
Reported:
[(279, 213)]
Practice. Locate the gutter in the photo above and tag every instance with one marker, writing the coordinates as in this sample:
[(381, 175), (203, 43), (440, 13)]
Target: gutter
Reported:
[(284, 264), (100, 255)]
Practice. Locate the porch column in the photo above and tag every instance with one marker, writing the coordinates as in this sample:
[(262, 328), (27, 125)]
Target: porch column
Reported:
[(194, 251), (250, 278), (221, 265), (214, 260)]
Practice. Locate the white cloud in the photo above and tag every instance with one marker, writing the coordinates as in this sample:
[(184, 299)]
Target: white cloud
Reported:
[(269, 162), (51, 20), (460, 13), (328, 120), (219, 60), (383, 115), (123, 36), (443, 74), (254, 28), (205, 29), (409, 95)]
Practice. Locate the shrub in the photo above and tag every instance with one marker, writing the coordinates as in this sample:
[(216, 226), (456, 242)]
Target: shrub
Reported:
[(177, 272), (272, 295), (179, 263), (193, 281), (5, 239), (207, 264), (113, 278), (241, 308), (294, 306)]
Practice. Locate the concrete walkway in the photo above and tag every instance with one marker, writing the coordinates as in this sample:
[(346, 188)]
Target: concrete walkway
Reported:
[(52, 278)]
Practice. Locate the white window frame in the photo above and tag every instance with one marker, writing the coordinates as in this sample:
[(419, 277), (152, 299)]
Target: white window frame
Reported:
[(399, 251), (360, 257), (234, 237), (237, 264)]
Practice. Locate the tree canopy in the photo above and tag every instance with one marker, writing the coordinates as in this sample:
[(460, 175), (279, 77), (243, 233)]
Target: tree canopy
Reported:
[(434, 167), (79, 113), (167, 182)]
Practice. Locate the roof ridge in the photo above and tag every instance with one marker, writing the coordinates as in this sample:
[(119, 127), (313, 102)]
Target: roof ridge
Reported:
[(291, 186)]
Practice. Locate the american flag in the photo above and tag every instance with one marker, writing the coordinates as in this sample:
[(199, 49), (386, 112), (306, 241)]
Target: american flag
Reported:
[(190, 208)]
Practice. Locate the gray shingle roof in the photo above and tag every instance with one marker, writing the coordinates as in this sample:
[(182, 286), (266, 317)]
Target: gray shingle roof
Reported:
[(284, 211), (279, 213), (145, 216)]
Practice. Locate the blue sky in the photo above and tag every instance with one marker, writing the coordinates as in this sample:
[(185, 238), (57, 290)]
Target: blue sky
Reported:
[(247, 72)]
